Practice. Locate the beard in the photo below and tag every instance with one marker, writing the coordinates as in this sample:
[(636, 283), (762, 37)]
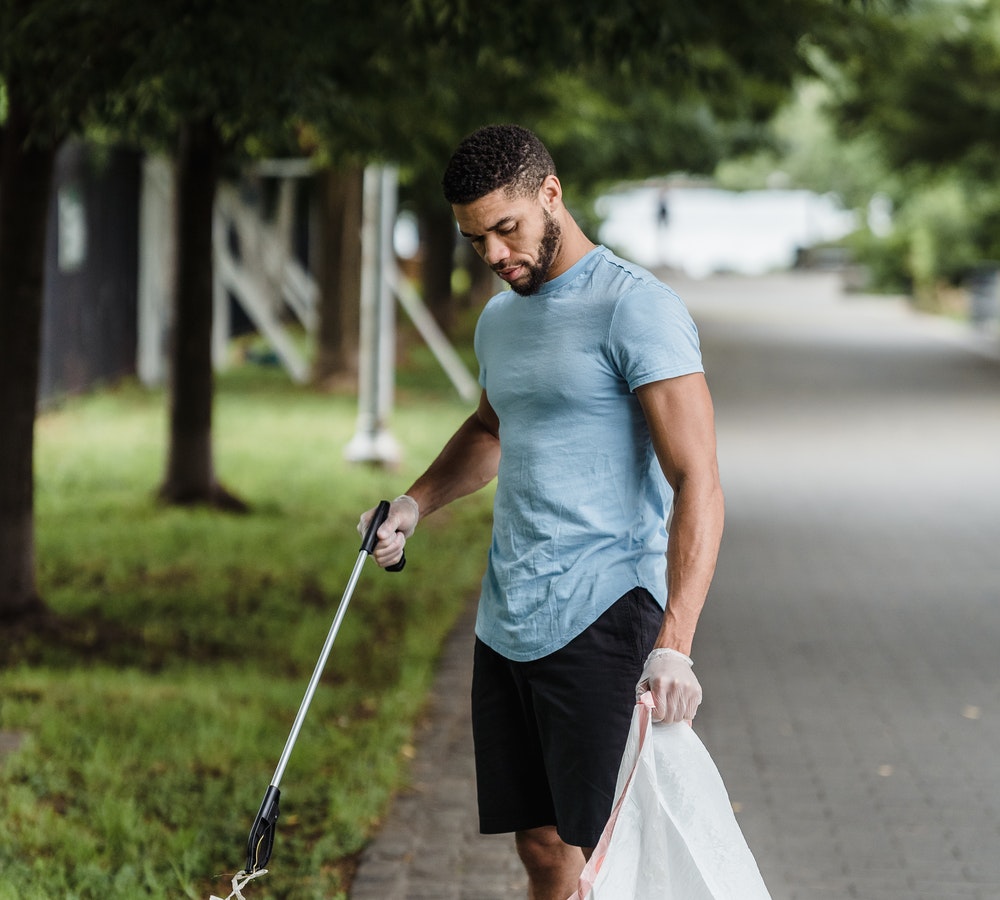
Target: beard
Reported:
[(538, 273)]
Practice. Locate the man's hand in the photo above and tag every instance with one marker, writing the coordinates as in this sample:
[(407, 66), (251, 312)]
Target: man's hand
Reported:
[(670, 678), (393, 532)]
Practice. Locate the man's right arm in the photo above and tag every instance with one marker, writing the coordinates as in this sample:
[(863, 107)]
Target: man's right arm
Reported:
[(468, 462)]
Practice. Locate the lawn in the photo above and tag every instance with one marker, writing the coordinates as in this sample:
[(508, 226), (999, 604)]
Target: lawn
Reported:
[(151, 708)]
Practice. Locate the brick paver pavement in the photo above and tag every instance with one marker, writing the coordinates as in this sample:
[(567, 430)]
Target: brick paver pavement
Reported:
[(850, 651)]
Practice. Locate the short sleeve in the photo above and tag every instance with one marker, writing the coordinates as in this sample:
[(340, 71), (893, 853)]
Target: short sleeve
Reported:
[(653, 337)]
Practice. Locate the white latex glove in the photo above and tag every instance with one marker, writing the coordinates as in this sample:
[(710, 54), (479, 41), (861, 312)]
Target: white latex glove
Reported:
[(399, 524), (675, 688)]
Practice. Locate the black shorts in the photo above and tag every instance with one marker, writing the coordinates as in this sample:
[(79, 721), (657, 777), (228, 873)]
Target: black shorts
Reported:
[(550, 733)]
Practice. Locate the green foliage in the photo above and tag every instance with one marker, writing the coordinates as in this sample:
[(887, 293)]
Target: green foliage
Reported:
[(240, 67), (921, 132), (884, 259), (624, 90), (803, 150), (934, 115), (643, 39), (620, 131), (941, 235), (937, 103), (61, 60), (403, 79), (157, 703), (407, 79)]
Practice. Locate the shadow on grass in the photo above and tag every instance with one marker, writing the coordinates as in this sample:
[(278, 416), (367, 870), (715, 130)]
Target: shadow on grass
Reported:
[(46, 638), (70, 640)]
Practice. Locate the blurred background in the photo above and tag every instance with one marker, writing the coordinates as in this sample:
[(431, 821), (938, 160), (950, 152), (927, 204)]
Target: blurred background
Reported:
[(234, 312)]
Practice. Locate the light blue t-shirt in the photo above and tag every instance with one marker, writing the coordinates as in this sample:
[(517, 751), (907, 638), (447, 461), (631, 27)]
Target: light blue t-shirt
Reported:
[(581, 503)]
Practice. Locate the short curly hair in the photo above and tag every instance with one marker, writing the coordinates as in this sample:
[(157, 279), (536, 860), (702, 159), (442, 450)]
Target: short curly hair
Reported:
[(494, 157)]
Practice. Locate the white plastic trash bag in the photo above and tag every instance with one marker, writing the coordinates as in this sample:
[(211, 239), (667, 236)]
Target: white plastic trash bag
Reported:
[(672, 834)]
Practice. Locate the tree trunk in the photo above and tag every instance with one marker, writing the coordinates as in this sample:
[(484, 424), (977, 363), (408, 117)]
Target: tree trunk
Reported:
[(25, 184), (190, 476), (437, 225), (339, 275)]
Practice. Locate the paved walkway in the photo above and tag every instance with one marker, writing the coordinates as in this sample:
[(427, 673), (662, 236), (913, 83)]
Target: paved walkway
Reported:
[(850, 651)]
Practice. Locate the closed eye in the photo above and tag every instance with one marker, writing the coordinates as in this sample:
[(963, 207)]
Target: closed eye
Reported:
[(504, 228)]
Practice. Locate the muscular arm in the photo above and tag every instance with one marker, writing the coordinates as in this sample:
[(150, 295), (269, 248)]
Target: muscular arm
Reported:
[(467, 462), (681, 422)]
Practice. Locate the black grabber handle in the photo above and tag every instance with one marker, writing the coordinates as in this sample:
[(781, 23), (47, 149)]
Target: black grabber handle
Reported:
[(371, 539)]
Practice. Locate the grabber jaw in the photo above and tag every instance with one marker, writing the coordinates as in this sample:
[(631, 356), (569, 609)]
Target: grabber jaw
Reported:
[(261, 840)]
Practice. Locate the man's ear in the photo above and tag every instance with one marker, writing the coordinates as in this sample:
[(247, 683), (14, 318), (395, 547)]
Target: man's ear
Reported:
[(550, 193)]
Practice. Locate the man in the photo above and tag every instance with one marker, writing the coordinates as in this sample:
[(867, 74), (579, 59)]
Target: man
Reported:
[(594, 414)]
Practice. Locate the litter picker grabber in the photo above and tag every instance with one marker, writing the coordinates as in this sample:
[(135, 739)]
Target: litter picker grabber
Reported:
[(260, 843)]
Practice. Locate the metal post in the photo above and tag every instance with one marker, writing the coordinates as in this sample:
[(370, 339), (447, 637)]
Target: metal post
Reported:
[(156, 263), (386, 299), (372, 441)]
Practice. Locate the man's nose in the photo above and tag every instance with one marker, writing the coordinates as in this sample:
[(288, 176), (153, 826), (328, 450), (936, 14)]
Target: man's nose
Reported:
[(495, 251)]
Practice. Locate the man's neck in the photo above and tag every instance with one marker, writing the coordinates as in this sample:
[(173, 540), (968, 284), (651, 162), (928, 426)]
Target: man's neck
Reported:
[(575, 246)]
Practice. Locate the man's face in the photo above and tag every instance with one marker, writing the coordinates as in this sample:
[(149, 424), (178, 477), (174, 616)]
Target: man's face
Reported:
[(518, 238)]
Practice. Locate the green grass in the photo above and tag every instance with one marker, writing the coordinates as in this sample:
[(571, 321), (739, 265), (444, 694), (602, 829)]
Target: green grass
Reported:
[(155, 709)]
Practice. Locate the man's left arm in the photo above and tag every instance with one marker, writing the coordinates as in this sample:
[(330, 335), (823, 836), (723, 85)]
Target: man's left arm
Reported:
[(681, 422)]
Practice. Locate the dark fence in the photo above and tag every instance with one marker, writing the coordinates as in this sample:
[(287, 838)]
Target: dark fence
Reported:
[(89, 322)]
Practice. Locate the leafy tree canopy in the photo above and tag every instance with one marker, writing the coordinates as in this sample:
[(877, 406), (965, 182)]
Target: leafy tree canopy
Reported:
[(59, 60), (938, 103), (620, 91)]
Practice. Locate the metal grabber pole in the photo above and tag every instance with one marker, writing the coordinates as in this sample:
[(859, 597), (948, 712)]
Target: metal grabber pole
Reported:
[(261, 840)]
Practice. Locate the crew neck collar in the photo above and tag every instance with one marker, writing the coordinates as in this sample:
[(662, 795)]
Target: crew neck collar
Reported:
[(583, 264)]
